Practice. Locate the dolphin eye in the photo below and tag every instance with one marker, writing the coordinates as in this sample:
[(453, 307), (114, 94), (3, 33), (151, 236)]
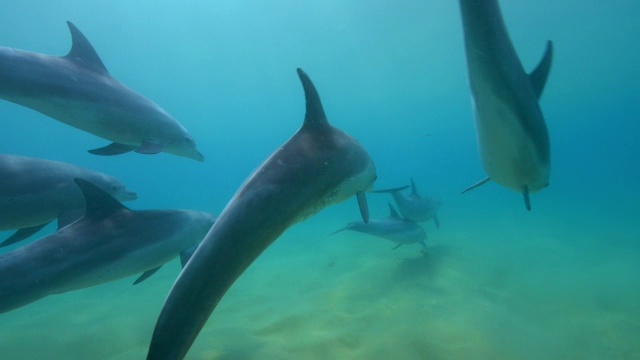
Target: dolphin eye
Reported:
[(188, 140)]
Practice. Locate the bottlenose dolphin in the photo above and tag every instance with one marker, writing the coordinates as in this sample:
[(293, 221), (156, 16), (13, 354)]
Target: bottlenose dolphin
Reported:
[(415, 207), (109, 242), (34, 192), (319, 166), (77, 90), (512, 135), (393, 228)]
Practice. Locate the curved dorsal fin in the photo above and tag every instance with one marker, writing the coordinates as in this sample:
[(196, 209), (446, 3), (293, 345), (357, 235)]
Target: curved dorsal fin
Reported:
[(99, 204), (82, 52), (314, 116), (392, 212), (539, 75)]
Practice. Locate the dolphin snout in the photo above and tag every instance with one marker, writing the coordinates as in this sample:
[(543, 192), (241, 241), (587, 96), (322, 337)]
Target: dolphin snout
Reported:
[(197, 155)]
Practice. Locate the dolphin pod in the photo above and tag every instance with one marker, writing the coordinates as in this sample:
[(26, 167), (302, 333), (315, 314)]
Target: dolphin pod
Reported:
[(77, 90), (108, 242), (319, 166), (34, 192), (511, 131)]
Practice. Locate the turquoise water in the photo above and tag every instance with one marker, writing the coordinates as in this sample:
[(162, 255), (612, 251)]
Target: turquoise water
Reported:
[(559, 282)]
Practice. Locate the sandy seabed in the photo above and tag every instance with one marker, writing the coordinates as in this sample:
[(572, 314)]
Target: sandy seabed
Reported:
[(490, 294)]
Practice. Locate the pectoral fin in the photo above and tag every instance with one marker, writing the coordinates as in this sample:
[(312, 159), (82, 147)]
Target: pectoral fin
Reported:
[(482, 182), (22, 234), (525, 193), (145, 275), (538, 77), (364, 208), (113, 149), (186, 254)]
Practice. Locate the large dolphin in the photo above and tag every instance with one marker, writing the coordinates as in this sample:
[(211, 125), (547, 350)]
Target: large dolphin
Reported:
[(77, 90), (34, 192), (109, 242), (512, 135), (392, 228), (414, 206), (319, 166)]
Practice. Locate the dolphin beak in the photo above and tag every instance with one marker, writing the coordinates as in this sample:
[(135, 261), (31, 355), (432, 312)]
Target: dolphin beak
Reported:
[(197, 156), (364, 208)]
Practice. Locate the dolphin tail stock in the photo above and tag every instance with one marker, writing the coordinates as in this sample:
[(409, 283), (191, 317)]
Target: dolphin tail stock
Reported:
[(391, 190), (478, 184)]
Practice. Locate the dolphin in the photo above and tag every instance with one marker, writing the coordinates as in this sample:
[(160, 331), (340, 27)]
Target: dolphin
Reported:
[(415, 207), (393, 228), (109, 242), (512, 135), (77, 90), (34, 192), (319, 166)]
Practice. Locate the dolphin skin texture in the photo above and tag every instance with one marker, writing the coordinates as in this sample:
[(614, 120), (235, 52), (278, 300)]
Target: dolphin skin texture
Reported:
[(393, 228), (414, 206), (319, 166), (512, 135), (77, 90), (109, 242), (34, 192)]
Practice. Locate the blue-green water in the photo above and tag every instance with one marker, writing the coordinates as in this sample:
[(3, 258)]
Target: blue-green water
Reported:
[(559, 282)]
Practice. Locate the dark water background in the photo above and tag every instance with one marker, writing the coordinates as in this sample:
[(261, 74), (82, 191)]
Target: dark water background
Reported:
[(558, 282)]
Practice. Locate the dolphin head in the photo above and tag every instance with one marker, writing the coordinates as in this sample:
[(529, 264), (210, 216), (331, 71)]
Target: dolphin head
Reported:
[(183, 144)]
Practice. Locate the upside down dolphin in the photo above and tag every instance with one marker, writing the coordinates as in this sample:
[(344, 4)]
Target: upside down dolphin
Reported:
[(512, 135), (109, 242), (393, 228), (77, 90), (319, 166), (34, 192)]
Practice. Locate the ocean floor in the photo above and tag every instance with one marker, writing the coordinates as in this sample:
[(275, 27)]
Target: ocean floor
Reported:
[(499, 292)]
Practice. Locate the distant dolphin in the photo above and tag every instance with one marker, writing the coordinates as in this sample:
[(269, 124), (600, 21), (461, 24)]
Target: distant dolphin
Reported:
[(393, 228), (512, 135), (34, 192), (108, 243), (77, 90), (319, 166), (415, 207)]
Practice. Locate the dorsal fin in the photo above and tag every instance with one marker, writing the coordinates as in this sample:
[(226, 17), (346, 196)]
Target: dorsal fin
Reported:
[(82, 52), (99, 204), (392, 212), (314, 116), (539, 75), (414, 191)]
